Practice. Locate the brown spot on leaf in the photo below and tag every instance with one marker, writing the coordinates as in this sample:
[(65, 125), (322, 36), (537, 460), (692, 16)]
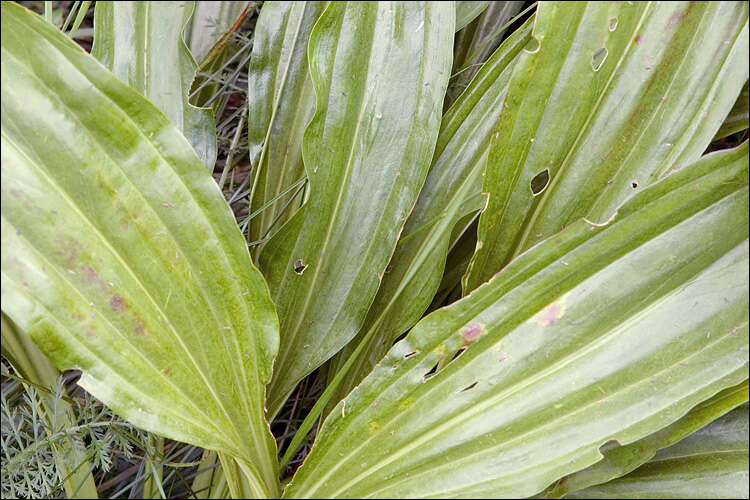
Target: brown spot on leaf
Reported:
[(117, 304), (638, 39), (139, 328)]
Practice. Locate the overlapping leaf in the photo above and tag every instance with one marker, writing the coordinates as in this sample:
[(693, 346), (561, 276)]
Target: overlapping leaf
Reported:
[(281, 102), (620, 460), (607, 98), (452, 191), (466, 12), (120, 256), (142, 43), (737, 119), (379, 71), (476, 42), (210, 21), (710, 463), (602, 332)]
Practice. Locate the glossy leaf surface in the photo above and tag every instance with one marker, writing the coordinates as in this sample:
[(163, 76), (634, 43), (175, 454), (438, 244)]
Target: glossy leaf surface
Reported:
[(120, 256), (452, 191), (710, 463), (135, 40), (379, 71), (281, 103), (543, 353), (608, 98)]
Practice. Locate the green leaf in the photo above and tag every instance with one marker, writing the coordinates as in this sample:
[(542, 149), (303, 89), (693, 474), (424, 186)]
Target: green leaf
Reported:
[(710, 463), (452, 190), (210, 21), (609, 97), (557, 348), (476, 42), (121, 257), (737, 119), (621, 460), (281, 102), (366, 152), (142, 43), (468, 11), (31, 364)]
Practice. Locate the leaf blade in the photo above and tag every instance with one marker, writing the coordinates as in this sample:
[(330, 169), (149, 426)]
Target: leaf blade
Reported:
[(604, 128), (122, 288), (539, 355), (323, 284), (138, 59)]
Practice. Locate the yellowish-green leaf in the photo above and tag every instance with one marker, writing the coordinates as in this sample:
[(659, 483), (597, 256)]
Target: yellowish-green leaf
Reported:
[(557, 348), (120, 256)]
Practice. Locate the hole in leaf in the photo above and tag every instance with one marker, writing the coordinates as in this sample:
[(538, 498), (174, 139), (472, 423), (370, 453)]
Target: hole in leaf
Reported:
[(634, 184), (599, 56), (299, 266), (532, 45), (613, 24), (458, 353), (430, 373), (409, 354), (470, 387), (539, 182)]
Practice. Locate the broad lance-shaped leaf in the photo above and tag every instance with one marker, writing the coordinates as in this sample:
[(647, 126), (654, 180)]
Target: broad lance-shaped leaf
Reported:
[(621, 460), (607, 99), (379, 70), (210, 21), (121, 257), (737, 119), (710, 463), (476, 42), (466, 12), (452, 190), (142, 43), (31, 364), (281, 102), (557, 348)]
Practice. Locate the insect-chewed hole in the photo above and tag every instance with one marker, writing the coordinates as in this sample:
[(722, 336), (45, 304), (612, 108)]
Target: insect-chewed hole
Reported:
[(299, 266), (612, 443), (634, 184), (410, 354), (458, 353), (470, 386), (598, 58), (539, 182), (532, 45), (613, 24), (430, 373)]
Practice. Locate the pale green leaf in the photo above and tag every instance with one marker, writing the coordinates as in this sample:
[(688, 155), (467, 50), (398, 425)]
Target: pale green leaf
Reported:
[(621, 460), (379, 70), (142, 43), (210, 21), (452, 190), (468, 11), (710, 463), (602, 332), (737, 119), (120, 256), (609, 97), (281, 102)]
